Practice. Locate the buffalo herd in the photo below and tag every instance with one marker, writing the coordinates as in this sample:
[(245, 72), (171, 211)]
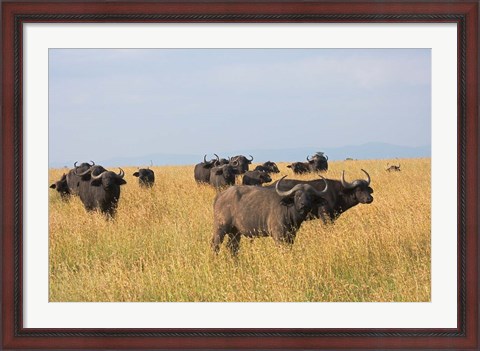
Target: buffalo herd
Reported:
[(250, 209)]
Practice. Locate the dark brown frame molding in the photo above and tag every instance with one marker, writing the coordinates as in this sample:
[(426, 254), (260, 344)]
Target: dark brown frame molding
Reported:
[(462, 12)]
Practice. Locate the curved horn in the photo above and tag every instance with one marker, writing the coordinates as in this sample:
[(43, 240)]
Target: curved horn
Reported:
[(308, 158), (121, 174), (345, 184), (251, 158), (205, 158), (235, 163), (326, 157), (288, 192), (83, 173), (324, 191), (218, 158), (75, 164), (93, 163), (368, 177), (98, 176)]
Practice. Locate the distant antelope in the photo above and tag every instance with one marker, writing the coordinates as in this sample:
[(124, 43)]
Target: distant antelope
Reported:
[(393, 168)]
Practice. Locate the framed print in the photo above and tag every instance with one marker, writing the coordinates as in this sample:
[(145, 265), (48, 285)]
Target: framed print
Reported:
[(234, 175)]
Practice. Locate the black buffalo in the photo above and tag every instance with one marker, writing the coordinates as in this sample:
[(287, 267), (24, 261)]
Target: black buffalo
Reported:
[(70, 182), (202, 170), (259, 212), (300, 167), (393, 168), (318, 162), (341, 195), (101, 190), (221, 176), (242, 163), (255, 178), (268, 167), (146, 177)]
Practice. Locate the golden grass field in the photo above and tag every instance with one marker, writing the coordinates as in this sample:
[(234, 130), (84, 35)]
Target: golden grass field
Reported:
[(158, 246)]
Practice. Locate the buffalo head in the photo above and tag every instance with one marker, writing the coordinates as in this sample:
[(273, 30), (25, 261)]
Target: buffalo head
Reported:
[(303, 197), (360, 188), (108, 179)]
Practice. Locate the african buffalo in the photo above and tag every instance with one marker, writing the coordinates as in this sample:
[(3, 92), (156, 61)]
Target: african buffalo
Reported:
[(341, 195), (300, 167), (69, 183), (146, 177), (318, 162), (202, 170), (102, 191), (221, 176), (268, 167), (258, 212), (242, 163), (255, 178), (393, 168)]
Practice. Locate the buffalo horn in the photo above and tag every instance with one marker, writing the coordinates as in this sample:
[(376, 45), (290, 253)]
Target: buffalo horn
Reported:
[(83, 173), (368, 177), (288, 192), (324, 191), (326, 157), (98, 176), (356, 182), (251, 158), (235, 163), (75, 164), (121, 174), (205, 159), (308, 158), (218, 158), (93, 163)]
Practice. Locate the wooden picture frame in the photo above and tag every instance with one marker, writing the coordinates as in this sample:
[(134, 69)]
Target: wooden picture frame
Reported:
[(463, 13)]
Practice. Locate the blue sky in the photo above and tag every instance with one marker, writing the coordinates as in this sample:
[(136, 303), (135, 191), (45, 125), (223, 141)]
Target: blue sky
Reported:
[(107, 103)]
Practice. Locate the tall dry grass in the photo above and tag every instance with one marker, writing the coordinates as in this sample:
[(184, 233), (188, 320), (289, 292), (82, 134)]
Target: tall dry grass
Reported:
[(158, 246)]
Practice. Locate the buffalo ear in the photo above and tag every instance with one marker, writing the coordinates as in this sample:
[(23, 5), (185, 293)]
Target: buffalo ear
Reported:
[(136, 174), (53, 186), (121, 181), (96, 182)]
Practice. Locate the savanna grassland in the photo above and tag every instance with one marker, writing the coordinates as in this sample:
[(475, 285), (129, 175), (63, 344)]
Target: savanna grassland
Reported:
[(158, 246)]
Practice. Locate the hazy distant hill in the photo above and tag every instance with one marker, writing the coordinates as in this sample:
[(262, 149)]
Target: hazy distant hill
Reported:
[(364, 151)]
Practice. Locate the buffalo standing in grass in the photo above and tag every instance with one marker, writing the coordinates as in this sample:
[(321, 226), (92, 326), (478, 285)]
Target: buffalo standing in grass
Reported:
[(70, 182), (146, 177), (393, 168), (341, 195), (259, 212), (101, 190), (300, 167), (222, 176), (268, 167), (242, 163), (202, 170), (256, 178), (318, 162)]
